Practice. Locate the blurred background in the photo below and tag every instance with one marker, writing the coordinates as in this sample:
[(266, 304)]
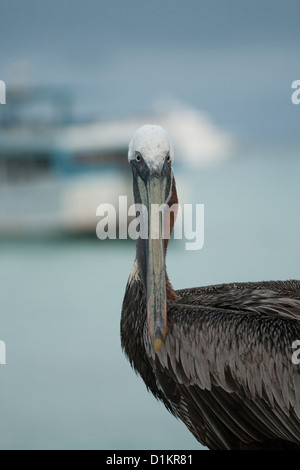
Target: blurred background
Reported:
[(80, 76)]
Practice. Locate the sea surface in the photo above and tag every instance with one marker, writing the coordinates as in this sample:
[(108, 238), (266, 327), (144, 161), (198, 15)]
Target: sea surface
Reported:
[(66, 383)]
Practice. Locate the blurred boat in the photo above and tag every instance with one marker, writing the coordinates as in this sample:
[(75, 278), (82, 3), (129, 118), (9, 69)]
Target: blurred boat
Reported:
[(55, 172)]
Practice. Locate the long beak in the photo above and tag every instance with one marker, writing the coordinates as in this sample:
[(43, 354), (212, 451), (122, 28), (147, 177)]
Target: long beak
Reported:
[(155, 262)]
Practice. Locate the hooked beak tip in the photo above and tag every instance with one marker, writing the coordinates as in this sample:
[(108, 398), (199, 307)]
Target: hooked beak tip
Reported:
[(157, 344), (158, 339)]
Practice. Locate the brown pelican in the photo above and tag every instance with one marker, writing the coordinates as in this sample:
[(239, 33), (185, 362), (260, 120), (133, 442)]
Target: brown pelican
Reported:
[(219, 357)]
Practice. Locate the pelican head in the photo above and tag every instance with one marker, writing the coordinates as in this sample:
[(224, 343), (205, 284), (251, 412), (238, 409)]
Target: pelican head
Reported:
[(151, 156)]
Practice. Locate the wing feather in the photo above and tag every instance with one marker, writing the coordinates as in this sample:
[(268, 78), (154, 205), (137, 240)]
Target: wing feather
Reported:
[(233, 367)]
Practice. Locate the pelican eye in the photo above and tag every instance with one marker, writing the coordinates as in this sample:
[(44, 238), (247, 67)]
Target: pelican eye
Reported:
[(138, 157), (168, 159)]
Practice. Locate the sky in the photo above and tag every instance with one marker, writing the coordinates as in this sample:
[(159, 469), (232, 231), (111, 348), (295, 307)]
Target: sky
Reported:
[(234, 59)]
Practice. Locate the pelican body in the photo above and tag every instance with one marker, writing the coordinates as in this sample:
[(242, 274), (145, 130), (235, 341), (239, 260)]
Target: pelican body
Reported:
[(219, 357)]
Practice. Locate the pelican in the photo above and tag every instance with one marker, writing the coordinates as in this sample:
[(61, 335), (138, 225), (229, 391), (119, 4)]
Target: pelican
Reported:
[(219, 357)]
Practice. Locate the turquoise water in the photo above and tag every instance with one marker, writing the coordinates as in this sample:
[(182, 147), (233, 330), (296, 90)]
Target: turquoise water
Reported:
[(66, 384)]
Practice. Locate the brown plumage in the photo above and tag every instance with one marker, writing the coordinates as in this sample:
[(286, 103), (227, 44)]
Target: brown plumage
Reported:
[(224, 366)]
